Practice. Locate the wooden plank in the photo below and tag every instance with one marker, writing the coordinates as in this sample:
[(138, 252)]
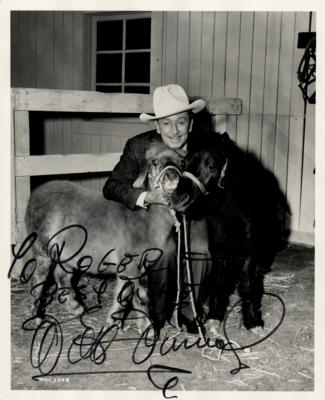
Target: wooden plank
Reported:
[(49, 139), (22, 185), (21, 129), (224, 106), (45, 49), (107, 127), (232, 54), (77, 50), (206, 63), (280, 168), (85, 101), (244, 76), (307, 206), (59, 64), (183, 49), (22, 196), (232, 58), (156, 60), (65, 164), (80, 101), (115, 144), (282, 132), (28, 51), (59, 67), (219, 54), (195, 53), (67, 79), (170, 47), (66, 135), (269, 123), (67, 51), (294, 169), (295, 155), (95, 148), (105, 143), (271, 89), (15, 48), (257, 83)]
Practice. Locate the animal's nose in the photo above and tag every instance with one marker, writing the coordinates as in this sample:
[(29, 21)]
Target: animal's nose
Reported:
[(171, 184)]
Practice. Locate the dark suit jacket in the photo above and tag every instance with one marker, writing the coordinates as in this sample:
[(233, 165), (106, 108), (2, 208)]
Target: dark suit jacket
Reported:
[(119, 186)]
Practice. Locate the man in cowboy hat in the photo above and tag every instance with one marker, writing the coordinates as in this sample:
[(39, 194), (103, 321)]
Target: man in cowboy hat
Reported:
[(174, 121)]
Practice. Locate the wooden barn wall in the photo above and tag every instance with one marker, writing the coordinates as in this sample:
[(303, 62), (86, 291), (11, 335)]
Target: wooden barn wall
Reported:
[(251, 55)]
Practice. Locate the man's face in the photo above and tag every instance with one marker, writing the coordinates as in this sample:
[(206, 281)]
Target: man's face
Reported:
[(174, 129)]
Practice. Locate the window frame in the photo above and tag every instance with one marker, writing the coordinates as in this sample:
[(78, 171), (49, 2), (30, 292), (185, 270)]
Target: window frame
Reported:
[(113, 17)]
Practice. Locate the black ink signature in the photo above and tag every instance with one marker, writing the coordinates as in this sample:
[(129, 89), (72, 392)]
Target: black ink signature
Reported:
[(94, 346)]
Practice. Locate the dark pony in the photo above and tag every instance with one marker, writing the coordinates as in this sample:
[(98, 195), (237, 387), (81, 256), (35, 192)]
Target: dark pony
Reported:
[(244, 207)]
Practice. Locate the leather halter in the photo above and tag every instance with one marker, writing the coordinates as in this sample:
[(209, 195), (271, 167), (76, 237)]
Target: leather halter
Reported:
[(195, 180), (158, 179)]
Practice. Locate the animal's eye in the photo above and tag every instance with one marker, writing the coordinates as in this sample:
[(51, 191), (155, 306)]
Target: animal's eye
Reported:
[(155, 163)]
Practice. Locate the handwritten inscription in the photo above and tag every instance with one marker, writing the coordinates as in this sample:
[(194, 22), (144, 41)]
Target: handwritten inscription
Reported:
[(94, 345)]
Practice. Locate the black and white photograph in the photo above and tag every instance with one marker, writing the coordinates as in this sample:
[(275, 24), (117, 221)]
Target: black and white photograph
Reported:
[(162, 201)]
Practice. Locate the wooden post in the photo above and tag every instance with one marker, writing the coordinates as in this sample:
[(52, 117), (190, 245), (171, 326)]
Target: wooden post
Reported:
[(22, 148)]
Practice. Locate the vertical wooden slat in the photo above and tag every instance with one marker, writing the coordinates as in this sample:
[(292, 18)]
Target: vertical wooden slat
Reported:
[(195, 53), (271, 88), (232, 56), (244, 76), (95, 148), (77, 70), (156, 62), (67, 50), (115, 144), (105, 142), (58, 75), (219, 54), (219, 64), (67, 73), (15, 53), (45, 49), (307, 215), (22, 147), (183, 48), (171, 47), (296, 128), (77, 50), (45, 69), (257, 83), (27, 44), (207, 42), (307, 207), (287, 44)]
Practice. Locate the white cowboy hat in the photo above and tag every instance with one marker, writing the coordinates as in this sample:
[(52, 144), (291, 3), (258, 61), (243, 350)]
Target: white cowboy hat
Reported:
[(169, 100)]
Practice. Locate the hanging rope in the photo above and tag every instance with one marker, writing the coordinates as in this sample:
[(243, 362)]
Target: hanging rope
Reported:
[(189, 278)]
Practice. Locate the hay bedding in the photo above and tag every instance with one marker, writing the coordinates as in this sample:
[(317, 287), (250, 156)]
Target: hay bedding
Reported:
[(282, 362)]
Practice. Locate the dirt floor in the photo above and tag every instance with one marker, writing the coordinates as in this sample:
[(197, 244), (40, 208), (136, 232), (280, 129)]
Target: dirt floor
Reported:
[(284, 361)]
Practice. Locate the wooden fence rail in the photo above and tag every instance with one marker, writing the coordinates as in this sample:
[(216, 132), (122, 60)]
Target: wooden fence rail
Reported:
[(24, 165)]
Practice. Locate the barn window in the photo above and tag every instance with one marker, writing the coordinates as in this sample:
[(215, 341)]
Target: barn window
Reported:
[(121, 53)]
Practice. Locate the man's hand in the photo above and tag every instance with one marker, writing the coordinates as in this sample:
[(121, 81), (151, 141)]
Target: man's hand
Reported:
[(154, 197)]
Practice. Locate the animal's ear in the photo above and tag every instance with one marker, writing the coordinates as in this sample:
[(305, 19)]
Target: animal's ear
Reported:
[(140, 181), (152, 153), (225, 137)]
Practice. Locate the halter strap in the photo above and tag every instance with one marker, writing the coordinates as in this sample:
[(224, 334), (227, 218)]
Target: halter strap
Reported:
[(195, 180), (158, 178)]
